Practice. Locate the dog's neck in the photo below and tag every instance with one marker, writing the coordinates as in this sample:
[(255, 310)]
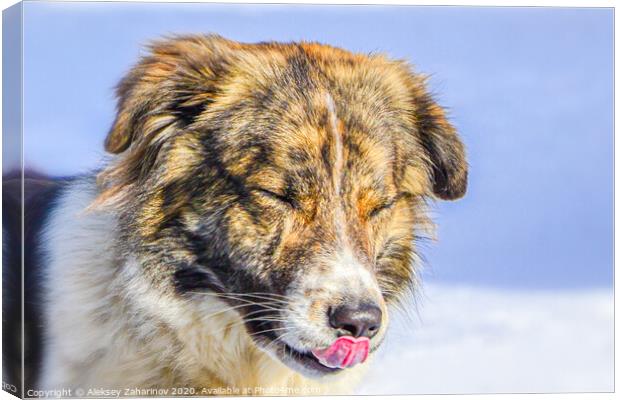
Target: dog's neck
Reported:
[(109, 328), (214, 350)]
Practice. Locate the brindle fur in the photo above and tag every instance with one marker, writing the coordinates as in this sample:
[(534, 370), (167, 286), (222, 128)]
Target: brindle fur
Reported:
[(205, 123), (232, 160)]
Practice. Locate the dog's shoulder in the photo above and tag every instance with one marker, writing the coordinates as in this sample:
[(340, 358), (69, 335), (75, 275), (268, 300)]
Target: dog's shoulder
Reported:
[(28, 201), (73, 234), (78, 258)]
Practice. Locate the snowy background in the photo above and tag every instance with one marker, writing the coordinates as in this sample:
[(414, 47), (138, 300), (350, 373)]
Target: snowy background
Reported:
[(483, 340), (518, 288)]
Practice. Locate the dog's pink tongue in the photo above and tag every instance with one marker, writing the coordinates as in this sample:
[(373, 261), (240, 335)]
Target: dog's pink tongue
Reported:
[(345, 352)]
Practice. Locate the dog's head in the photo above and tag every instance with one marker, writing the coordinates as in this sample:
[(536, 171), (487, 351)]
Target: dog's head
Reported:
[(284, 179)]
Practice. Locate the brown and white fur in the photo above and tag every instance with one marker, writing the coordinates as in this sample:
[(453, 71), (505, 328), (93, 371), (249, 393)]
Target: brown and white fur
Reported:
[(254, 190)]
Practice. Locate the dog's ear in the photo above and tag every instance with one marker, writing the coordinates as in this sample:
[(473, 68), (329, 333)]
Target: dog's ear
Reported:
[(167, 88), (444, 148), (158, 100)]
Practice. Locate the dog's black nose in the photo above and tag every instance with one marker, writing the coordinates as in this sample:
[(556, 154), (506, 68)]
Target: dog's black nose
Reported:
[(364, 320)]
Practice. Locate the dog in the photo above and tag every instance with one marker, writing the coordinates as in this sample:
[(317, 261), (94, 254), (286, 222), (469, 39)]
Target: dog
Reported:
[(252, 228)]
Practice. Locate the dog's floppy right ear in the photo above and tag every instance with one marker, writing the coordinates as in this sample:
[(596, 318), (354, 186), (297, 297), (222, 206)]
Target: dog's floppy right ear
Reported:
[(444, 148), (168, 87)]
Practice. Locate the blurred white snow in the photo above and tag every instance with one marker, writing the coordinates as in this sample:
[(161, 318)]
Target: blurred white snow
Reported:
[(489, 340)]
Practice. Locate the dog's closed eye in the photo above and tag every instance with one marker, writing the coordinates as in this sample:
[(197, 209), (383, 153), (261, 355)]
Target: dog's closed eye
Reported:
[(284, 199), (386, 205), (380, 208)]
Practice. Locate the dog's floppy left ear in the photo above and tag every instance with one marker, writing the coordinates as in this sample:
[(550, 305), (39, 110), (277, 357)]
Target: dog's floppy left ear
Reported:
[(444, 148), (158, 100), (170, 86)]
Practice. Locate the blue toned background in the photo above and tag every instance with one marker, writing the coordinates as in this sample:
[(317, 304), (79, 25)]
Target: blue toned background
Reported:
[(530, 90)]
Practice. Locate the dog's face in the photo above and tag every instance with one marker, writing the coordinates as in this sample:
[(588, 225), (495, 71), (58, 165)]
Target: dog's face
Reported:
[(284, 179)]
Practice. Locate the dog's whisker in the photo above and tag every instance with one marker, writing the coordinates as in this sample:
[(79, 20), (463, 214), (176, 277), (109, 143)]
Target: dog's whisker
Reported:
[(270, 330), (265, 296), (273, 316), (266, 305), (252, 297), (232, 308), (258, 293), (276, 295), (239, 298), (244, 321)]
